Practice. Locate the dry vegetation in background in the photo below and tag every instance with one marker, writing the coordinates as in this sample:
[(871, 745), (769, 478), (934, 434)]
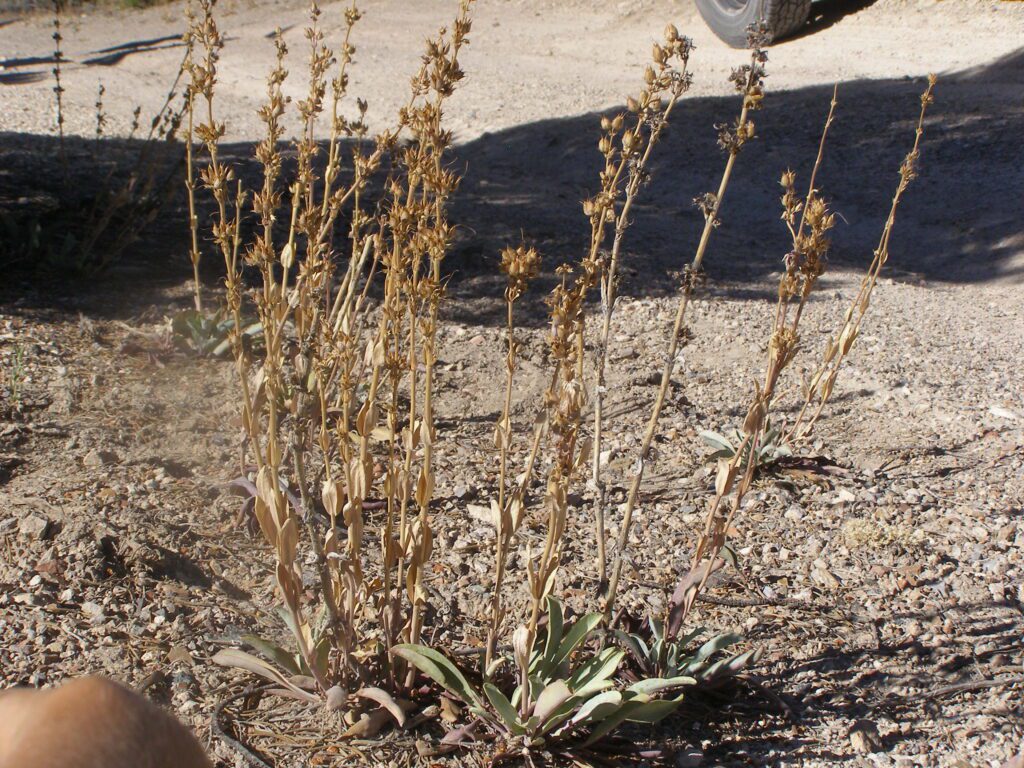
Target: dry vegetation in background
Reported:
[(85, 224)]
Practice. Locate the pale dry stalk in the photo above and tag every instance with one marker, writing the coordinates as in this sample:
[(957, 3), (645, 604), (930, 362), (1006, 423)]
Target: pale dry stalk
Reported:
[(804, 264), (190, 173), (818, 391), (664, 85), (749, 82), (101, 116), (520, 265), (58, 87), (437, 185)]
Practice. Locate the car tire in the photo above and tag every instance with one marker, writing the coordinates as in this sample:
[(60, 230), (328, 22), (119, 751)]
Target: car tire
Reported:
[(730, 19)]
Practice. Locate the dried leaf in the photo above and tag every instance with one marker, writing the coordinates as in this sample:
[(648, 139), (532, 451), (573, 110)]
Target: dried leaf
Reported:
[(231, 657), (384, 698)]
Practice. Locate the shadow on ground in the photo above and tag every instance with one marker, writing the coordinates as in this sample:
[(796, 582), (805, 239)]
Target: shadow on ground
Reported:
[(860, 678), (828, 13), (960, 223)]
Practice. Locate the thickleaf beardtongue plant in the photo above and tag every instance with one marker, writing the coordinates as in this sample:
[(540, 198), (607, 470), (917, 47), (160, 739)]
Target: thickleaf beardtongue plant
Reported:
[(338, 400)]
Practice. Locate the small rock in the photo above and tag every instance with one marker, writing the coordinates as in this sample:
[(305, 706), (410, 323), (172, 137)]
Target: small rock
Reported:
[(179, 653), (843, 496), (34, 526), (481, 513), (864, 738), (464, 492), (822, 576), (914, 495), (97, 458), (94, 611), (49, 564), (1003, 413), (1000, 660)]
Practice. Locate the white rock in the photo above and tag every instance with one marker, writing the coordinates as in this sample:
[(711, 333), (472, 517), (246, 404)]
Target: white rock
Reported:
[(843, 496)]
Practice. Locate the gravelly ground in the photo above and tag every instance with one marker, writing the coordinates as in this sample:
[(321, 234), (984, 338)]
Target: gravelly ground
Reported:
[(892, 577)]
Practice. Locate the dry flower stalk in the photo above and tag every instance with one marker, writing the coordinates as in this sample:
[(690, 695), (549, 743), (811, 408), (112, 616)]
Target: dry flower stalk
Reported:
[(58, 88), (101, 116), (804, 264), (748, 80), (312, 401), (519, 265), (190, 173), (817, 392), (665, 82)]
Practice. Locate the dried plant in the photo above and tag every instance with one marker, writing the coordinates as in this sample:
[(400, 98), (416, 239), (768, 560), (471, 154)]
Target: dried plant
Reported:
[(338, 406), (95, 218), (748, 81), (13, 375), (809, 222), (624, 171), (190, 173), (817, 391), (338, 398)]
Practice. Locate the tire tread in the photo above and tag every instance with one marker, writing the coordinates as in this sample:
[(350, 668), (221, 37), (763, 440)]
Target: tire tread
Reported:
[(784, 17), (787, 16)]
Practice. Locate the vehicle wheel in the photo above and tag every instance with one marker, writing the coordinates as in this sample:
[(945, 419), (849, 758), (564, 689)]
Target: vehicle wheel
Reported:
[(729, 19)]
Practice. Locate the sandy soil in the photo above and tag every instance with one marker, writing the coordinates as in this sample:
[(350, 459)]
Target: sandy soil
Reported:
[(890, 585), (531, 60)]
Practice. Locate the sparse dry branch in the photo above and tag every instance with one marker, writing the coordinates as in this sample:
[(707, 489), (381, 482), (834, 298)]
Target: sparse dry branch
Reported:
[(749, 82), (804, 264), (666, 80), (817, 391)]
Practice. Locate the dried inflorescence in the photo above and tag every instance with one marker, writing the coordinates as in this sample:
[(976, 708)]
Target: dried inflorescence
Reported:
[(519, 265), (749, 81), (809, 222), (322, 401)]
